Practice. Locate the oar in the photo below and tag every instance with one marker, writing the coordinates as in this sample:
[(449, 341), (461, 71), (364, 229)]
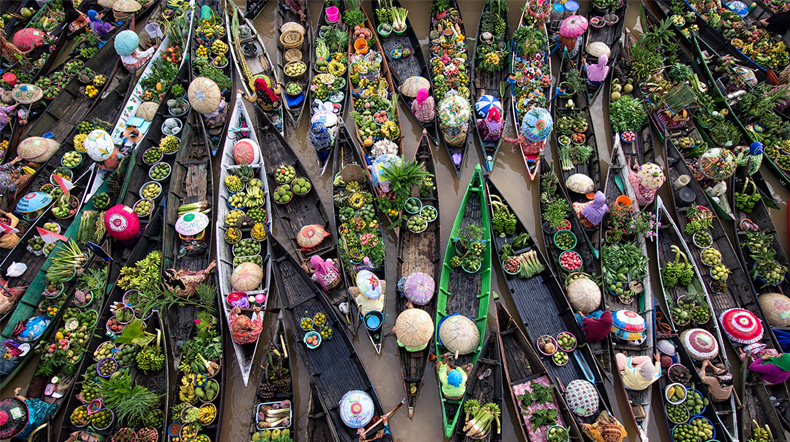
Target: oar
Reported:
[(362, 435), (596, 253)]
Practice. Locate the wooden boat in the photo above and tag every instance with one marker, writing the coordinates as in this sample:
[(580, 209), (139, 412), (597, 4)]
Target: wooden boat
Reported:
[(404, 67), (190, 183), (286, 13), (215, 136), (155, 381), (543, 306), (575, 159), (346, 154), (14, 10), (243, 34), (253, 8), (119, 132), (609, 34), (301, 211), (663, 332), (320, 427), (438, 51), (419, 252), (384, 72), (335, 99), (520, 91), (668, 236), (69, 108), (485, 386), (470, 291), (642, 303), (523, 369), (492, 83), (275, 383), (570, 67), (241, 127), (334, 366)]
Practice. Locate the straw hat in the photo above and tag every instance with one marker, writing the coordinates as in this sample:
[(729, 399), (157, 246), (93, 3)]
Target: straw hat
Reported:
[(356, 408), (459, 334), (414, 328), (700, 344), (99, 145), (580, 183), (37, 149), (412, 85), (204, 95), (107, 3), (583, 294), (147, 110), (776, 307), (582, 398), (126, 6), (311, 236), (598, 48), (418, 288)]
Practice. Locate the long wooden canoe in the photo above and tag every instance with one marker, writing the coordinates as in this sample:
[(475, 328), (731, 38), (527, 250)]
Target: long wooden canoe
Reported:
[(276, 370), (241, 127), (485, 82), (462, 292), (334, 366), (320, 427), (610, 35), (301, 211), (419, 252), (285, 12)]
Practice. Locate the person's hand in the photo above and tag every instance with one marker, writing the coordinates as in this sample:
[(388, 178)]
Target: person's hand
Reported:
[(658, 357), (384, 420), (584, 60), (765, 357), (236, 310), (17, 391), (239, 91)]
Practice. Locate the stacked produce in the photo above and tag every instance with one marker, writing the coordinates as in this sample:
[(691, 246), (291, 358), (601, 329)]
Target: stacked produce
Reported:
[(532, 73), (360, 232)]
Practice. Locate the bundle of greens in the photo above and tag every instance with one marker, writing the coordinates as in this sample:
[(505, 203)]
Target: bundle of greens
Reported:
[(480, 417), (503, 221), (626, 114), (676, 272), (130, 403), (555, 207), (67, 262), (745, 201), (623, 261)]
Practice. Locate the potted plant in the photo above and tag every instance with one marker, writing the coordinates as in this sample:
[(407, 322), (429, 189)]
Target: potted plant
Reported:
[(472, 263)]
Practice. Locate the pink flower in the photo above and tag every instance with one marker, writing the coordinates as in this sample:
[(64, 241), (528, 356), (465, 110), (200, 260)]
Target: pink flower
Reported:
[(197, 321)]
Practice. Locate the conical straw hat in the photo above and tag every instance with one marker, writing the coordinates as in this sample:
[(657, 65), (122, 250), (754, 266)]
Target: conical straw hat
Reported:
[(107, 3), (776, 307), (459, 334), (412, 85), (147, 110), (126, 6), (37, 149), (414, 327), (204, 95)]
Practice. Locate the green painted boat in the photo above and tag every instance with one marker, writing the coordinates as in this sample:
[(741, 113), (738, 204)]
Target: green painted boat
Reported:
[(461, 291)]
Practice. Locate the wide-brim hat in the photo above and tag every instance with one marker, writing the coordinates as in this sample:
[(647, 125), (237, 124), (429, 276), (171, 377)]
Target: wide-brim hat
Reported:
[(700, 344), (741, 326), (204, 95), (14, 415), (413, 327)]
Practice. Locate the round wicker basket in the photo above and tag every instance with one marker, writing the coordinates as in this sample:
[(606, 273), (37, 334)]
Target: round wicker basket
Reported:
[(292, 55), (292, 26), (291, 39)]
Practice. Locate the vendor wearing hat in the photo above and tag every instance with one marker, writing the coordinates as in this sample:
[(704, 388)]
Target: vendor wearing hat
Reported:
[(244, 330), (718, 380), (638, 372), (132, 57), (382, 435), (19, 416), (267, 97)]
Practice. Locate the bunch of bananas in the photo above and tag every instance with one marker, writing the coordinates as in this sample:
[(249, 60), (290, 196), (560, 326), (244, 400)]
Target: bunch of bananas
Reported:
[(254, 197), (150, 359), (79, 142), (186, 391)]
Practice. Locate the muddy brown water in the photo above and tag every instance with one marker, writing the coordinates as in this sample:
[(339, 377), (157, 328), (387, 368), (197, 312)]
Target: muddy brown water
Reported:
[(511, 178)]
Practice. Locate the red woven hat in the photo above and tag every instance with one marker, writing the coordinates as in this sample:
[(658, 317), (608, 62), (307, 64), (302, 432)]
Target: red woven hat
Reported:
[(121, 222), (741, 326)]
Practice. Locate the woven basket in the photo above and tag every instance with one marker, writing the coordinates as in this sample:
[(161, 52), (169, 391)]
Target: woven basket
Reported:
[(292, 26), (292, 55), (291, 39)]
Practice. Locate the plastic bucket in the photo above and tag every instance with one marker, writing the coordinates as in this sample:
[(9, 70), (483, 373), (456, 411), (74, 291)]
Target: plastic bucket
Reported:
[(557, 10), (571, 8), (332, 14), (374, 320), (154, 31)]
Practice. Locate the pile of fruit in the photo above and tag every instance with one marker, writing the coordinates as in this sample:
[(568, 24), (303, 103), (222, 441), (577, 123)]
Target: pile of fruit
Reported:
[(284, 174), (676, 394), (159, 171), (152, 155), (254, 194), (232, 217), (565, 239), (429, 213), (91, 91), (295, 68), (566, 341), (168, 144), (757, 44), (220, 61), (695, 402), (219, 47), (246, 247), (239, 260), (312, 340), (99, 80), (417, 224), (143, 207), (202, 51), (711, 256), (570, 261), (306, 324), (283, 194), (107, 366), (65, 206), (236, 200), (151, 190), (301, 186), (71, 159), (677, 414), (560, 358)]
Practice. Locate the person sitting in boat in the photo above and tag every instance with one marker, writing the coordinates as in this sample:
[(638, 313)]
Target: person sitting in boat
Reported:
[(325, 273), (218, 117), (638, 372), (777, 23), (595, 325), (382, 435), (774, 368), (451, 378), (98, 27), (19, 416), (321, 138), (718, 380), (596, 73), (268, 98), (6, 113), (527, 146), (138, 58), (369, 293), (592, 212), (491, 127), (243, 329), (423, 106)]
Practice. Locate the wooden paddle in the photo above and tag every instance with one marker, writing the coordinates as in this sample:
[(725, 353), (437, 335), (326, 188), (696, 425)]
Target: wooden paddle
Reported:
[(378, 422)]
